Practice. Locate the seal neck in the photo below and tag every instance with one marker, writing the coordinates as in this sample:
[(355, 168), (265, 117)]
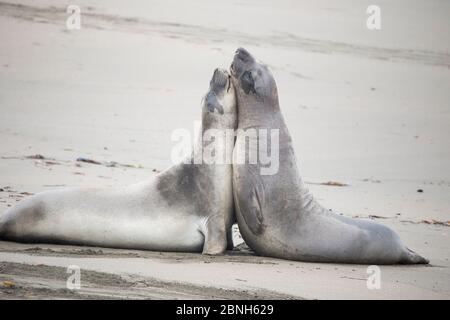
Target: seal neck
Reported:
[(263, 116), (215, 141)]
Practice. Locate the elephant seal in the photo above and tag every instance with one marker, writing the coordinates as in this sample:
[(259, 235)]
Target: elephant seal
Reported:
[(188, 207), (276, 214)]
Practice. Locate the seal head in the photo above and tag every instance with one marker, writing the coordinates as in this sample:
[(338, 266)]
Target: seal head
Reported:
[(253, 79), (221, 91)]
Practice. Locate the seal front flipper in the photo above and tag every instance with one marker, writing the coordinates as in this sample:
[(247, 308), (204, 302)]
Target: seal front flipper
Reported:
[(249, 201), (214, 231)]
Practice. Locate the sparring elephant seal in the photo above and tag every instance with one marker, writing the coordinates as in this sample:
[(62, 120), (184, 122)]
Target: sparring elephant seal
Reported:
[(276, 214), (188, 207)]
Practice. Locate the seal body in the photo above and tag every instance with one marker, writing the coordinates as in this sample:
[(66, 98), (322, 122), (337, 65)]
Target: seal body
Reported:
[(188, 207), (277, 215)]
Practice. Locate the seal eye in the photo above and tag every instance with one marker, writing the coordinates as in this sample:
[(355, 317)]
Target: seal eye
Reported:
[(248, 83)]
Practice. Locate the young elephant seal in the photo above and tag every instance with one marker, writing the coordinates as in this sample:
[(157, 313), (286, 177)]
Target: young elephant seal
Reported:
[(276, 214), (188, 207)]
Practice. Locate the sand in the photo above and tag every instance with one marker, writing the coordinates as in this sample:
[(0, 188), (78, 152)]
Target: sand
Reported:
[(368, 109)]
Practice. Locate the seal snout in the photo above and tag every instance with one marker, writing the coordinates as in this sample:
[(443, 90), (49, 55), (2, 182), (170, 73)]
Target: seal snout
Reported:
[(243, 55), (220, 78), (241, 61)]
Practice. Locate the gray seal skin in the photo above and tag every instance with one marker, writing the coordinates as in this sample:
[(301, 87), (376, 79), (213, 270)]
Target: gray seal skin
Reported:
[(276, 214), (188, 207)]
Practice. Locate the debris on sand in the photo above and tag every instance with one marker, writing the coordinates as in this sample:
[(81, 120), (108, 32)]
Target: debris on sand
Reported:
[(111, 164), (39, 157), (32, 157), (436, 222), (430, 222), (87, 160), (330, 183), (334, 184), (51, 163), (15, 194), (114, 164), (8, 189), (8, 284), (378, 217), (373, 216), (36, 157)]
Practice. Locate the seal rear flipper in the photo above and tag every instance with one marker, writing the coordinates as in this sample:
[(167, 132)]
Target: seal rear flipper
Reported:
[(410, 257)]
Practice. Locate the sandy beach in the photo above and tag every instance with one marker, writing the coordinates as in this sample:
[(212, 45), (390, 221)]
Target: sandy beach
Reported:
[(368, 112)]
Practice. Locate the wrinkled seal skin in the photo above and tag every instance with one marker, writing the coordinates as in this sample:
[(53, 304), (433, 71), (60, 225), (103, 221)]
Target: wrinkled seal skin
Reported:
[(188, 207), (276, 214)]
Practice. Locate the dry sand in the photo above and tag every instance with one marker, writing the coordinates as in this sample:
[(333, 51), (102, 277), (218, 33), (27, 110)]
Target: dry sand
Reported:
[(369, 109)]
